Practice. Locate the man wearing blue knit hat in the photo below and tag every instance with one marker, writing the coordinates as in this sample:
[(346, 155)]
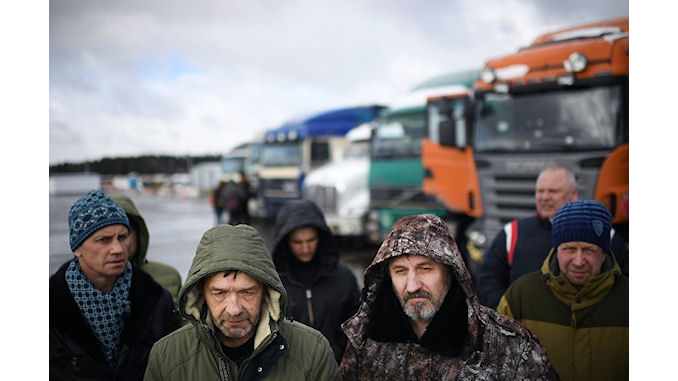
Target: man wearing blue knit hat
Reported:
[(578, 303), (104, 316)]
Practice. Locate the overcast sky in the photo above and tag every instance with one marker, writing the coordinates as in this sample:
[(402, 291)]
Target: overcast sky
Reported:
[(176, 77)]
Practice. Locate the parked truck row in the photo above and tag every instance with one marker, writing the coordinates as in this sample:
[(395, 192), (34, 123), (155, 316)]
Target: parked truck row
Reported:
[(467, 146)]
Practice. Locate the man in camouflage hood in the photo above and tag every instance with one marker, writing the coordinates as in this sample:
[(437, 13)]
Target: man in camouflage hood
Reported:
[(234, 302), (420, 318)]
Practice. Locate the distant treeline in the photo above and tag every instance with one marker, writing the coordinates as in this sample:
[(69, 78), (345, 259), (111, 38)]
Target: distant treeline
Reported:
[(139, 164)]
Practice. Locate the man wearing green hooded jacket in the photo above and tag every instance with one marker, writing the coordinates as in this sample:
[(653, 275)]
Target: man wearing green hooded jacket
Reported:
[(234, 301), (137, 245)]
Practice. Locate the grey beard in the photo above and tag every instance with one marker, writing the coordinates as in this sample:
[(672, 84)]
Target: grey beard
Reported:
[(419, 311), (235, 334)]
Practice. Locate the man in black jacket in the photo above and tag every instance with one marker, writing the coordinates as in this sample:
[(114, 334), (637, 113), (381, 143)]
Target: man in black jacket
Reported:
[(521, 247), (104, 316), (322, 292)]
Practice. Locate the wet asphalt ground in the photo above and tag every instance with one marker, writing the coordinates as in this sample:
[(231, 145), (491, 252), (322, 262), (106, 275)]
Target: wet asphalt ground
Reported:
[(175, 226)]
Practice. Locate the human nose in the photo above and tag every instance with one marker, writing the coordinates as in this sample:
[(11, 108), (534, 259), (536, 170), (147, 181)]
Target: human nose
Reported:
[(232, 306), (413, 283), (307, 247), (578, 259), (117, 247)]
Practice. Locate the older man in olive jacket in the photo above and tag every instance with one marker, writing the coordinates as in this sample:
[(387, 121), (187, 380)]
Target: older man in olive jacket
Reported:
[(578, 303), (235, 300)]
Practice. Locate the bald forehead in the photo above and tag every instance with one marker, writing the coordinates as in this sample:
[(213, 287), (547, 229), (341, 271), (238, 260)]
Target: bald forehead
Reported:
[(556, 174)]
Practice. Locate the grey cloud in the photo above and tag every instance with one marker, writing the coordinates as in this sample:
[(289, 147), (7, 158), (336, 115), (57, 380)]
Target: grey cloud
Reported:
[(260, 63)]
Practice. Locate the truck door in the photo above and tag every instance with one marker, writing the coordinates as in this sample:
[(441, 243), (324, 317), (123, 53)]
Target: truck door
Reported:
[(447, 157)]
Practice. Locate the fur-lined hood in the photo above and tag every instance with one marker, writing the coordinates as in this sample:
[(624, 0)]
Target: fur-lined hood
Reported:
[(463, 341), (241, 248), (427, 235)]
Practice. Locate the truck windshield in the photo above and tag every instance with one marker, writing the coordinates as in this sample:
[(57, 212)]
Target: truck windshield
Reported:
[(558, 120), (281, 154), (400, 135), (232, 164), (358, 149)]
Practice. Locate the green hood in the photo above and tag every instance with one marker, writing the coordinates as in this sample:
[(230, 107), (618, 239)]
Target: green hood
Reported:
[(136, 221), (226, 247)]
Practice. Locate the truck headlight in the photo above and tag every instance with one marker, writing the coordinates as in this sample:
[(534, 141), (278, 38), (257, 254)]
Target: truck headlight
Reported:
[(488, 75), (289, 186), (576, 62)]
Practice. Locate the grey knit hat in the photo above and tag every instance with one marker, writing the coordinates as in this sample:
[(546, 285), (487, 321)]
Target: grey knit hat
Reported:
[(582, 221), (91, 212)]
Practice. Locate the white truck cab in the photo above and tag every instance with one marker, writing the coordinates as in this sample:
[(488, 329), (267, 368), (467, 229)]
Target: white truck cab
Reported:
[(340, 188)]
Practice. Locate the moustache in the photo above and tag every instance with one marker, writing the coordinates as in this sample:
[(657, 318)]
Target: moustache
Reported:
[(417, 294), (234, 318)]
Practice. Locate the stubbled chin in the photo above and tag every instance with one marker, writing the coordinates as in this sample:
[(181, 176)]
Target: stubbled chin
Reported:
[(543, 215)]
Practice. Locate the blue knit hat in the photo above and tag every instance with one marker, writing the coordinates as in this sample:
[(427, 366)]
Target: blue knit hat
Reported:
[(582, 221), (91, 212)]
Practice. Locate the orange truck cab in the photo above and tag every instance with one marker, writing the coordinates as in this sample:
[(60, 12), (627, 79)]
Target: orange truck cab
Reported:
[(563, 100)]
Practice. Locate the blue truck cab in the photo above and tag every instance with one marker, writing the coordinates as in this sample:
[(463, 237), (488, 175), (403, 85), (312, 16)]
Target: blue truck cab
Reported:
[(293, 150)]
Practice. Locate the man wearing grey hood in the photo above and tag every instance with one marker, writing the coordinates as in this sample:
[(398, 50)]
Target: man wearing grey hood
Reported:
[(420, 318), (233, 300)]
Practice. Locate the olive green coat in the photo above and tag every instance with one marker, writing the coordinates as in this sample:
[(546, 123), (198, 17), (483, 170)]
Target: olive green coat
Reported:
[(283, 350), (166, 275), (585, 331)]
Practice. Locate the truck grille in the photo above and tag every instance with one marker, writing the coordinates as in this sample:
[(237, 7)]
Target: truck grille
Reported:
[(508, 182), (506, 197), (323, 196), (275, 188)]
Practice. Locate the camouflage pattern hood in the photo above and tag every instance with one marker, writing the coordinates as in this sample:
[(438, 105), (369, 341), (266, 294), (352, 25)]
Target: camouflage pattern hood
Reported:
[(494, 347)]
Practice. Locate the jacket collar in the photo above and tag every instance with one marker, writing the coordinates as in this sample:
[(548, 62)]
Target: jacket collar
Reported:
[(594, 290), (65, 316)]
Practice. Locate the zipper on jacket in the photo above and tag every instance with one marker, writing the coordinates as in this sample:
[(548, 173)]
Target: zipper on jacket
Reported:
[(223, 371), (309, 304), (573, 330)]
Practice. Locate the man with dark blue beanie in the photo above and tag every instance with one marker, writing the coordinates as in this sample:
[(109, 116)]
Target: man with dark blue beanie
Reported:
[(578, 303), (104, 316)]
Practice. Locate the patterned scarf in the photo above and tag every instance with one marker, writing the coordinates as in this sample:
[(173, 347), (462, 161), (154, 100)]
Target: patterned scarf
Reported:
[(105, 313)]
